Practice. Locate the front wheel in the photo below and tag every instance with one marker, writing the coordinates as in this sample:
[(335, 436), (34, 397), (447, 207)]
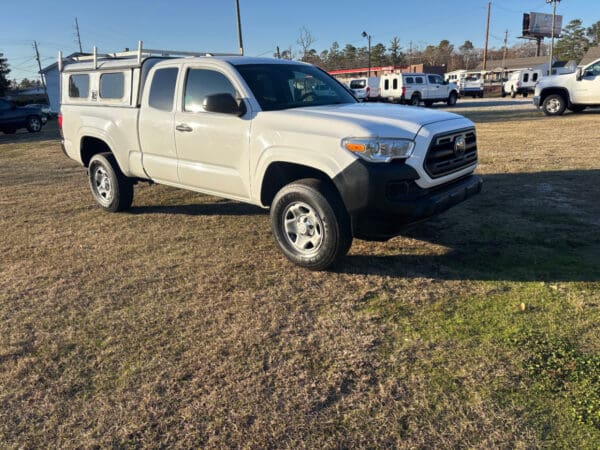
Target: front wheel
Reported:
[(452, 99), (34, 124), (310, 224), (554, 105), (112, 190)]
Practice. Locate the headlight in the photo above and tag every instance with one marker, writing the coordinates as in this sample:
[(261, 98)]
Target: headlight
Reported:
[(379, 149)]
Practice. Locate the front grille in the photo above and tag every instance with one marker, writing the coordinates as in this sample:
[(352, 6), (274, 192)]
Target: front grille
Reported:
[(443, 156)]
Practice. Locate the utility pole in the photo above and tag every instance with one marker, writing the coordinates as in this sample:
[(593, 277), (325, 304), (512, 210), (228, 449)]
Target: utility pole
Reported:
[(554, 2), (37, 57), (487, 35), (410, 56), (278, 53), (504, 52), (78, 35), (368, 36), (239, 27)]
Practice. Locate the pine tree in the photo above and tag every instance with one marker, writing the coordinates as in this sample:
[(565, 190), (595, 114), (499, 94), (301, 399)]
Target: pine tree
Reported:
[(4, 81), (573, 44)]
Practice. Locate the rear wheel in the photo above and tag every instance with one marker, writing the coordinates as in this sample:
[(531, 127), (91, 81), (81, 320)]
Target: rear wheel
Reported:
[(554, 105), (112, 190), (34, 124), (452, 99), (310, 224), (415, 100)]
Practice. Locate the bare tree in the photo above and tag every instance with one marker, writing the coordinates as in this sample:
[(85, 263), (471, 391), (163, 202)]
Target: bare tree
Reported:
[(305, 41)]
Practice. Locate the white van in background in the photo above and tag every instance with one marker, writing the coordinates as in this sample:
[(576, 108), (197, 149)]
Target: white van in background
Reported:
[(365, 88), (522, 82), (414, 88)]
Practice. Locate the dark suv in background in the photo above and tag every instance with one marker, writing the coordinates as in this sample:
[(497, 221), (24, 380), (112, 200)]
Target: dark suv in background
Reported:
[(13, 117)]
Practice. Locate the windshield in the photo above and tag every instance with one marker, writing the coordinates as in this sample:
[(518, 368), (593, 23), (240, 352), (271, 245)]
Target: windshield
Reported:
[(358, 84), (283, 86)]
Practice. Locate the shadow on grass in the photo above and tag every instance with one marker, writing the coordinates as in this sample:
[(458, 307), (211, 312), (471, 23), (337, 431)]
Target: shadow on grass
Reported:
[(218, 208), (522, 227)]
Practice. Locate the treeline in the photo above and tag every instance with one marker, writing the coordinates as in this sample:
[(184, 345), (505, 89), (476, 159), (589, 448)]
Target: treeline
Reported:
[(575, 41)]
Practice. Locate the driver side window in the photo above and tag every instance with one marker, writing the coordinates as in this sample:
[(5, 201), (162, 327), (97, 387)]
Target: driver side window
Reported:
[(593, 70), (201, 83)]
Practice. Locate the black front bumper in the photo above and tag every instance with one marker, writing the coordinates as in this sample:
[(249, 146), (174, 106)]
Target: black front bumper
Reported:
[(383, 199)]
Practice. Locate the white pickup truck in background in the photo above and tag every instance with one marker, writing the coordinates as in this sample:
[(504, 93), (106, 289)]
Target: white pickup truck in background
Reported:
[(278, 134), (573, 91)]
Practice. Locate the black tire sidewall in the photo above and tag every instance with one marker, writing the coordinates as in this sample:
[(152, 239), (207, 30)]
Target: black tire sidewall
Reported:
[(122, 188), (560, 111), (334, 243), (29, 126)]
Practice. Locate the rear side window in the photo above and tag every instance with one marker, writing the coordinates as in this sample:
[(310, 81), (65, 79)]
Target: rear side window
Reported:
[(202, 82), (79, 86), (111, 85), (162, 91), (409, 80), (525, 78), (419, 80)]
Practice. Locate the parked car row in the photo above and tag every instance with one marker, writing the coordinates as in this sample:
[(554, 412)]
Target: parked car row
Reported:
[(405, 88), (13, 117)]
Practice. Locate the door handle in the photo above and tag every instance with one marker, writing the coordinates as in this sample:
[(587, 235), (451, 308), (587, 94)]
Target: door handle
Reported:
[(183, 127)]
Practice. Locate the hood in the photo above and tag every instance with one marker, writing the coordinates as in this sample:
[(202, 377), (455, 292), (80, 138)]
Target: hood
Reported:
[(365, 119)]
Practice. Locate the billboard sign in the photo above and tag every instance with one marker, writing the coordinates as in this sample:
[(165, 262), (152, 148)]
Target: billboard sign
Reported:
[(540, 25)]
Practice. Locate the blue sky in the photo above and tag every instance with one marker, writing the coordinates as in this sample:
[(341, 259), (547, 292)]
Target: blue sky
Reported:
[(205, 25)]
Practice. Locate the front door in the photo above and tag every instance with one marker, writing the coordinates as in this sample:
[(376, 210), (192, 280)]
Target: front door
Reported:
[(587, 90), (213, 148)]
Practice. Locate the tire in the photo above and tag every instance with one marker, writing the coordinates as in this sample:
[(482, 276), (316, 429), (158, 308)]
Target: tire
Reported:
[(503, 94), (112, 190), (525, 94), (554, 105), (34, 124), (415, 100), (481, 95), (451, 99), (513, 94), (310, 224), (576, 108)]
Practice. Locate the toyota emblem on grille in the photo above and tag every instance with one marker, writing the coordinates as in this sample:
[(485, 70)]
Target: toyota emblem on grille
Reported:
[(460, 145)]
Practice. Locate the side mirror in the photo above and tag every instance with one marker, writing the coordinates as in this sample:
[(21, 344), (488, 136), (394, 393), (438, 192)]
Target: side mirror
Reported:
[(224, 104), (579, 74)]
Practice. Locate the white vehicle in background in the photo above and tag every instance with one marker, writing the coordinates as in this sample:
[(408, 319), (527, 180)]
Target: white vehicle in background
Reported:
[(522, 82), (573, 91), (414, 88), (470, 83), (365, 88)]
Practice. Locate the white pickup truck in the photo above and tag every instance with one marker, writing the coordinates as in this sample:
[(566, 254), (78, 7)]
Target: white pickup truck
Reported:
[(572, 91), (258, 131)]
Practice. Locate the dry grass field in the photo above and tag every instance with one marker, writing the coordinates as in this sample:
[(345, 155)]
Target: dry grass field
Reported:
[(179, 324)]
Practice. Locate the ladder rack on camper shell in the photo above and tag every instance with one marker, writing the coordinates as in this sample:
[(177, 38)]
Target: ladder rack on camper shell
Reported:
[(140, 54)]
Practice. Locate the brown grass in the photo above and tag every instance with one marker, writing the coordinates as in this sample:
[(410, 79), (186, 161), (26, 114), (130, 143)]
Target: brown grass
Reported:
[(180, 324)]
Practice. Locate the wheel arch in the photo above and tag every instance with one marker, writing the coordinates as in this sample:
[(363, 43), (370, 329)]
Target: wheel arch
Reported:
[(555, 90), (280, 173)]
